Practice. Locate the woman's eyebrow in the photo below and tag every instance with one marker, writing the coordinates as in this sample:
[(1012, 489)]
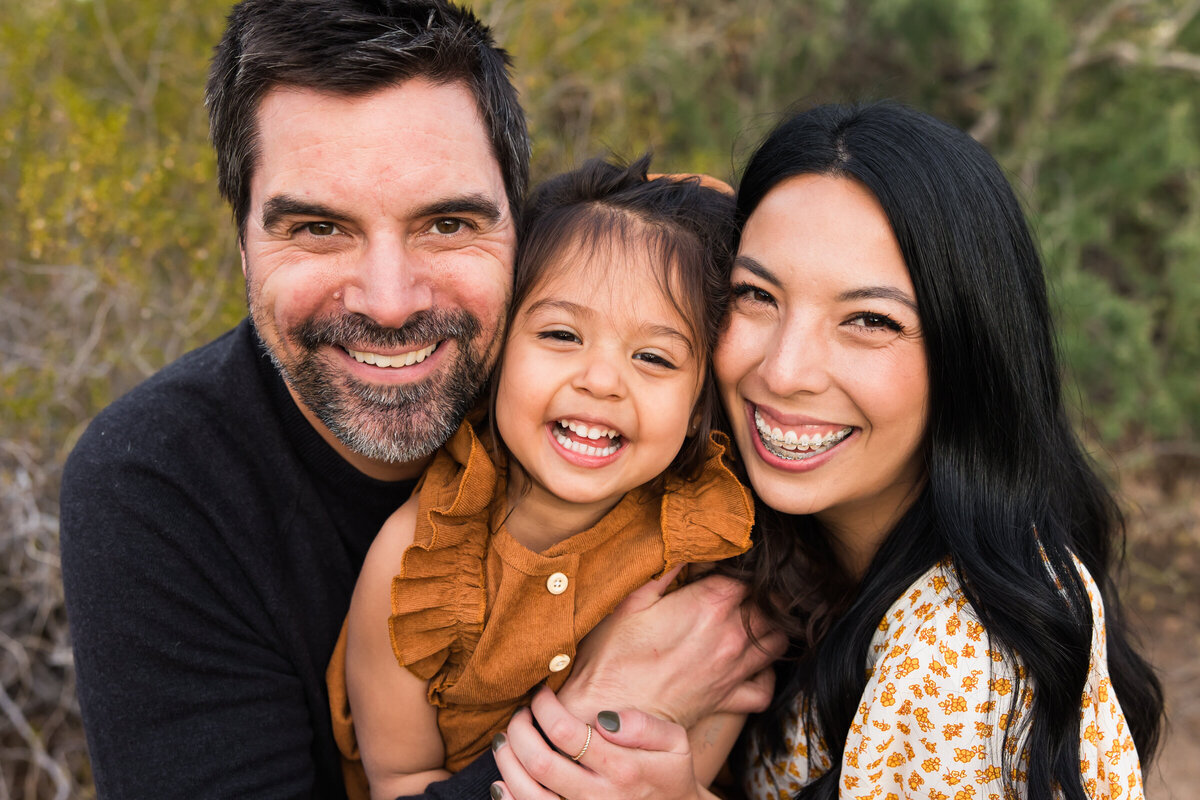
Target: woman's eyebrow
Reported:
[(756, 266), (878, 293)]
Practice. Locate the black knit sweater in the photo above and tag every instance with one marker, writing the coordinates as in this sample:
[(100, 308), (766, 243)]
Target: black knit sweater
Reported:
[(210, 544)]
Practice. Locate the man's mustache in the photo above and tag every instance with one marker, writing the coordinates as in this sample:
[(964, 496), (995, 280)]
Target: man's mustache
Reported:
[(422, 328)]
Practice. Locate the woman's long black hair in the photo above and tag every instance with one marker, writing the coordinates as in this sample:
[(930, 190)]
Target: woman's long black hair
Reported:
[(1010, 494)]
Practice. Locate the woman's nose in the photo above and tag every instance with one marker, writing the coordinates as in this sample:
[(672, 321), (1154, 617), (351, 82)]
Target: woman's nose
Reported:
[(797, 361)]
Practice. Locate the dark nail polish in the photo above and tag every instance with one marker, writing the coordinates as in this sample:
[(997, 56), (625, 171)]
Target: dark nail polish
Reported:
[(498, 741), (609, 720), (496, 792)]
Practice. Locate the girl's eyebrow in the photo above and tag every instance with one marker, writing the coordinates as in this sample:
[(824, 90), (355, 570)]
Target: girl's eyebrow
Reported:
[(577, 310), (879, 293), (574, 309)]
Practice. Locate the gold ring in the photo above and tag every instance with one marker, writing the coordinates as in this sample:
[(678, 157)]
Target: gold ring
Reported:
[(586, 743)]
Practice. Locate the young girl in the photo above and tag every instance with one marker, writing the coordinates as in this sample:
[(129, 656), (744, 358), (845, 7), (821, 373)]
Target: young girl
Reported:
[(479, 588)]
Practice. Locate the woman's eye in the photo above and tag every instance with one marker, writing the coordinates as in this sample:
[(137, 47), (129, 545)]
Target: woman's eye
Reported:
[(748, 291), (871, 320), (320, 229), (448, 226), (655, 359)]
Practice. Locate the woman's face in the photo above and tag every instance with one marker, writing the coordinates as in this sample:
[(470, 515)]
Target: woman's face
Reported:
[(822, 365)]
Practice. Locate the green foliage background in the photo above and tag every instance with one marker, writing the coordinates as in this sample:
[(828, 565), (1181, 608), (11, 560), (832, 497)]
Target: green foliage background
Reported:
[(118, 256)]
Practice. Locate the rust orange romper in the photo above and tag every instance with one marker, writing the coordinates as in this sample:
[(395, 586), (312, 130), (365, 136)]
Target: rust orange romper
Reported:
[(485, 620)]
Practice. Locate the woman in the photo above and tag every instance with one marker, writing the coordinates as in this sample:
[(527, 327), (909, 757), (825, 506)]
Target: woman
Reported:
[(941, 546)]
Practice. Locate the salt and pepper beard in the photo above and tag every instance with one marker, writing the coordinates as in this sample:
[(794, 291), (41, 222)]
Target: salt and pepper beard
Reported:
[(390, 423)]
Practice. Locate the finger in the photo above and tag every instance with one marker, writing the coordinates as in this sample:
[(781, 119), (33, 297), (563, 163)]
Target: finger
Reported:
[(572, 737), (750, 696), (722, 591), (648, 594), (525, 760), (637, 729), (764, 632)]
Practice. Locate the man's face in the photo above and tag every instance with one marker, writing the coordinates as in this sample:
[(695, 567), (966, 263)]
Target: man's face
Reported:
[(378, 258)]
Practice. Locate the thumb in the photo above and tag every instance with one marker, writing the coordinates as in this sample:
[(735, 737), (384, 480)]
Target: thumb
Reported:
[(647, 594), (642, 731)]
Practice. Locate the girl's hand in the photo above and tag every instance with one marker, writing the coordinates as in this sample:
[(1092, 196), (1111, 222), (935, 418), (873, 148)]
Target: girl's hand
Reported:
[(631, 755)]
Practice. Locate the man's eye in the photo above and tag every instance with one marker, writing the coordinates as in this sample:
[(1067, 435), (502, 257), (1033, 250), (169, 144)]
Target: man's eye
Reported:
[(448, 226), (320, 228)]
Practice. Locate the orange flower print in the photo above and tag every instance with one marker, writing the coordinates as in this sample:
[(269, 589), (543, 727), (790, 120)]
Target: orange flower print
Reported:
[(953, 704), (952, 730), (953, 777), (907, 666)]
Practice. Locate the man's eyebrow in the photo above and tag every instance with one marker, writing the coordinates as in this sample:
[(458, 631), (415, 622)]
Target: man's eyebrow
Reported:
[(756, 267), (280, 207), (476, 205), (879, 293)]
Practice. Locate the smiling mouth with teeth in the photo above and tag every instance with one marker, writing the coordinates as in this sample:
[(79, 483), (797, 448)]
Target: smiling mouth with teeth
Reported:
[(392, 362), (588, 440), (793, 447)]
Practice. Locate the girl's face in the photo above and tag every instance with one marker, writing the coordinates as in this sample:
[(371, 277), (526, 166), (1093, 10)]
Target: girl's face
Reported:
[(822, 364), (599, 379)]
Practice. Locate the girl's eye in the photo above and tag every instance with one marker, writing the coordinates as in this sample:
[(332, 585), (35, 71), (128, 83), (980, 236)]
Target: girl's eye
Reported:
[(448, 226), (750, 292), (655, 359), (558, 336), (874, 321), (320, 229)]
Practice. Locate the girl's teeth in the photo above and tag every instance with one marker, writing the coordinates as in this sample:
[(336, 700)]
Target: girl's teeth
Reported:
[(579, 429), (584, 449)]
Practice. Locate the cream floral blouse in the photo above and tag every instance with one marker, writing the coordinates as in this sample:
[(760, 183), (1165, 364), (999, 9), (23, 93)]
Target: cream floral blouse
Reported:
[(933, 714)]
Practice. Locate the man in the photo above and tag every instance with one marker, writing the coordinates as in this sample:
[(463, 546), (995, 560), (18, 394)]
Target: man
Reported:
[(214, 519)]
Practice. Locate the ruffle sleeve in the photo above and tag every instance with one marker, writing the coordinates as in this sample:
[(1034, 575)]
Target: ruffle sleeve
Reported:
[(709, 518), (438, 597)]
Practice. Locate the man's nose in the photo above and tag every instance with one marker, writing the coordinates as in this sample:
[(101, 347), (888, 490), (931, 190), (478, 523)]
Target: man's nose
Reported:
[(388, 283)]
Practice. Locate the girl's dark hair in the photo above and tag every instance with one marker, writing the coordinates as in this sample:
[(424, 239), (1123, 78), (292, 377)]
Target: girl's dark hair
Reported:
[(684, 226), (1010, 494)]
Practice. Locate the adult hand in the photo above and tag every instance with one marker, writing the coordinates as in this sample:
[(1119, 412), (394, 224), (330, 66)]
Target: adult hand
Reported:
[(628, 755), (680, 657)]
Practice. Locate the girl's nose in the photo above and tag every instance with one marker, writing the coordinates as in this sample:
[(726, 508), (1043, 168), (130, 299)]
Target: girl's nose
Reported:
[(600, 375)]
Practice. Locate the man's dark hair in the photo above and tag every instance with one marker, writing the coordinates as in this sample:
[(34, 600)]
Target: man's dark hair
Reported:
[(354, 47)]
